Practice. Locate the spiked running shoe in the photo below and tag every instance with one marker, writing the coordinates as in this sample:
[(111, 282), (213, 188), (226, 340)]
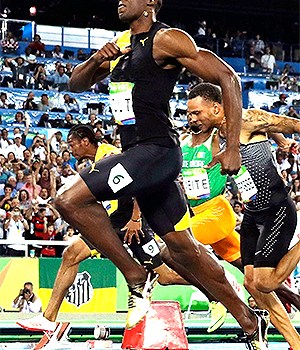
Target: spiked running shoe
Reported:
[(37, 323), (217, 314), (139, 300), (258, 340)]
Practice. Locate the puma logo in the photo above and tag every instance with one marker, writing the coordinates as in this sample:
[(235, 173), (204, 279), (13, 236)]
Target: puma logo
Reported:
[(143, 41), (93, 169)]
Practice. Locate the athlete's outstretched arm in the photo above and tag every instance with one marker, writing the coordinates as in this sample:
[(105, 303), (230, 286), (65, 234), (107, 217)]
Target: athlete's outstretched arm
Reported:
[(174, 43), (95, 68), (262, 121)]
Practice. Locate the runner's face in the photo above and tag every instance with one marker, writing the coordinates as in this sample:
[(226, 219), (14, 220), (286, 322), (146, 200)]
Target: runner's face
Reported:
[(203, 115), (130, 10), (77, 147)]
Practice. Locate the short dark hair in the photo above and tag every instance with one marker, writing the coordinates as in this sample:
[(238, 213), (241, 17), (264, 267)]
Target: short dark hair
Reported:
[(207, 91), (83, 130)]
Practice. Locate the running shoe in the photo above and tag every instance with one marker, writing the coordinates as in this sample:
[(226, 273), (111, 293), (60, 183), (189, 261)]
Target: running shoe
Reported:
[(218, 315), (139, 299), (258, 340), (38, 323)]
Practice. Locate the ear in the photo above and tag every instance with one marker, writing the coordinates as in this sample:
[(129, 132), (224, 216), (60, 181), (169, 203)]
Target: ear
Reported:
[(216, 108)]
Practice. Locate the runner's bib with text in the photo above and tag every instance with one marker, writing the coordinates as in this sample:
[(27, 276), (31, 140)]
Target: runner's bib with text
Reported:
[(245, 184), (196, 183), (120, 94)]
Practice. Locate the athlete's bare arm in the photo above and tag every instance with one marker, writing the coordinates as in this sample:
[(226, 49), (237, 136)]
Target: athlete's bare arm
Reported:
[(256, 121), (174, 43), (95, 68)]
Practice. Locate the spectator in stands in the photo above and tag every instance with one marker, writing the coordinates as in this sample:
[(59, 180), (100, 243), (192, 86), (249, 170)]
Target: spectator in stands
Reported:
[(4, 102), (70, 104), (29, 58), (4, 141), (19, 118), (44, 196), (259, 46), (25, 202), (9, 44), (45, 105), (238, 213), (69, 69), (252, 62), (5, 199), (51, 158), (12, 181), (44, 121), (26, 301), (15, 226), (81, 56), (57, 53), (281, 102), (41, 83), (27, 157), (20, 72), (68, 121), (46, 182), (29, 103), (20, 179), (92, 120), (67, 174), (37, 47), (30, 184), (293, 113), (202, 28), (268, 62), (294, 85), (69, 233), (60, 79), (38, 149), (238, 43), (17, 148), (68, 160), (56, 142)]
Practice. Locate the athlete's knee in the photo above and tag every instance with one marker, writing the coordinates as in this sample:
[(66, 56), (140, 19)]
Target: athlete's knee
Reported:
[(69, 256), (263, 284)]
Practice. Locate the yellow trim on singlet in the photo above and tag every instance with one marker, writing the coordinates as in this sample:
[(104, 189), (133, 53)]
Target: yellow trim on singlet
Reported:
[(184, 223), (122, 41)]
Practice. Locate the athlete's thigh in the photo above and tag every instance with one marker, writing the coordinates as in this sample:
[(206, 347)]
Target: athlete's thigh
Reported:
[(166, 209), (249, 237), (213, 221), (229, 247), (140, 170), (277, 232)]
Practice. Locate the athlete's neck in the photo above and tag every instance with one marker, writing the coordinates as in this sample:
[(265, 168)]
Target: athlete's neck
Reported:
[(142, 24), (199, 139)]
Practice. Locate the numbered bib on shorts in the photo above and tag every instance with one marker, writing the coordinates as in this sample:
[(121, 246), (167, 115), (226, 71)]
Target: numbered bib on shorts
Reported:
[(245, 184), (196, 183), (118, 178), (151, 248), (120, 94)]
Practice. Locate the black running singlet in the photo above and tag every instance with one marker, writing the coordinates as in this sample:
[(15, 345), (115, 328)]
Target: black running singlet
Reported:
[(151, 90)]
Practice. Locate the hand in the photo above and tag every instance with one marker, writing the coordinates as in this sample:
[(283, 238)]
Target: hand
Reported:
[(230, 160), (109, 52), (132, 229), (21, 292)]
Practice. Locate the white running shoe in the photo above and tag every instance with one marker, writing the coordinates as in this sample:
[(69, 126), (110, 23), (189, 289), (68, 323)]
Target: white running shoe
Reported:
[(38, 323)]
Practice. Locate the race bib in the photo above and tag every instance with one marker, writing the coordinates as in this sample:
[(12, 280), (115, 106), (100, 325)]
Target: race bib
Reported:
[(196, 183), (151, 248), (245, 184), (120, 95), (118, 178)]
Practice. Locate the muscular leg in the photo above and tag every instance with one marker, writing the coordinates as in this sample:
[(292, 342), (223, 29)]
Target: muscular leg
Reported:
[(76, 252), (79, 207), (279, 316), (268, 279), (203, 268)]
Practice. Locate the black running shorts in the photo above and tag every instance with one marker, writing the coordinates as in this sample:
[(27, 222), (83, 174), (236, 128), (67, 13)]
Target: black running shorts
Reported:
[(148, 173), (266, 235)]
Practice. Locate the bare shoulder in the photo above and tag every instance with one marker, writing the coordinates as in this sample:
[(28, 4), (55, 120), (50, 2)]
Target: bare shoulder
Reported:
[(174, 42), (255, 115)]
